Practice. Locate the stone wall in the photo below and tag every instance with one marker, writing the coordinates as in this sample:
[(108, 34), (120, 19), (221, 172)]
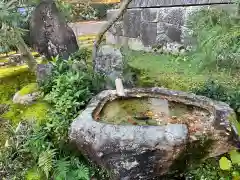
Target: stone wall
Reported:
[(158, 23)]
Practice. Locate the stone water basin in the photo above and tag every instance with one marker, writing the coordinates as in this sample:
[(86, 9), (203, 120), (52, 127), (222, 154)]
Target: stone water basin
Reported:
[(151, 132)]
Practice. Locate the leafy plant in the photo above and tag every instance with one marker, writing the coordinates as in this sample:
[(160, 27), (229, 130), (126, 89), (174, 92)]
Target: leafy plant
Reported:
[(66, 9), (82, 55), (10, 31), (217, 35), (46, 146), (206, 171), (216, 91), (231, 165)]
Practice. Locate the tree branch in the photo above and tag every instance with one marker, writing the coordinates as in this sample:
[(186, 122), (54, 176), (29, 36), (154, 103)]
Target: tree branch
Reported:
[(113, 20)]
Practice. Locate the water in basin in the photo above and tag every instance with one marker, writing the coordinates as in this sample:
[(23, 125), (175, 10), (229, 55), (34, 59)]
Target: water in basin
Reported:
[(153, 111)]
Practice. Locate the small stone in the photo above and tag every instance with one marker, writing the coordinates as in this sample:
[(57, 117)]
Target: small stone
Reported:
[(26, 99)]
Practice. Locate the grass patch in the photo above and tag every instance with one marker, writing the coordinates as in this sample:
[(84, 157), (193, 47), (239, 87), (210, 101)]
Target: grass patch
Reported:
[(3, 59), (175, 72)]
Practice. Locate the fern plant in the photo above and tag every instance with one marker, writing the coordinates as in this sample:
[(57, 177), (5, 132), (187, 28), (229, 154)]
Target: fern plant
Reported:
[(46, 160)]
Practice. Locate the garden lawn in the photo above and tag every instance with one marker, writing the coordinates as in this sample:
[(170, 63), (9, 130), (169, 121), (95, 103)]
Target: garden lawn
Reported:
[(176, 72)]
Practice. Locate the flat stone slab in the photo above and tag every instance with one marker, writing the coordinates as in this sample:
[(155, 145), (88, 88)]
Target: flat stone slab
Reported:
[(145, 152)]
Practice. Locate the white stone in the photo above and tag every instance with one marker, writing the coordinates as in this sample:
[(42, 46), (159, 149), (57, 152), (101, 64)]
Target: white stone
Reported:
[(26, 99)]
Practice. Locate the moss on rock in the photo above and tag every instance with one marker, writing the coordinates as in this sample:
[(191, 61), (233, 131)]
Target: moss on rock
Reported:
[(28, 89), (12, 79)]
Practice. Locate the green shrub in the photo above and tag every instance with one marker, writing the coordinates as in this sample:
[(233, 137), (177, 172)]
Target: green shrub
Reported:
[(101, 9), (208, 170), (218, 39), (82, 55), (45, 147), (216, 91)]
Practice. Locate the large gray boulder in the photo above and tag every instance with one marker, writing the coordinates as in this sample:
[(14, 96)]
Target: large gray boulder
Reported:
[(109, 62), (147, 152), (50, 34)]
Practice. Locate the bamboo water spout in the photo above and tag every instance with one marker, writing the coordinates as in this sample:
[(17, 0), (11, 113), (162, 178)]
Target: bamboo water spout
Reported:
[(119, 87)]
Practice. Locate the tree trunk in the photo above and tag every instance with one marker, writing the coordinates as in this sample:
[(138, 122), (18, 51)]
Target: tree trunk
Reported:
[(28, 57), (113, 20)]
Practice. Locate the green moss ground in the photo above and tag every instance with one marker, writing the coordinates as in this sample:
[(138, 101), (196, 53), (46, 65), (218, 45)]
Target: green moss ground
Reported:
[(35, 112), (3, 59)]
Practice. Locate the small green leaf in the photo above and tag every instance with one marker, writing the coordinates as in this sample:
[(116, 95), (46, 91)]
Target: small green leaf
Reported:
[(235, 174), (235, 157), (225, 164)]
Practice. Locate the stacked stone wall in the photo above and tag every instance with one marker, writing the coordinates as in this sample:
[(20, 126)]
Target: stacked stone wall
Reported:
[(153, 23)]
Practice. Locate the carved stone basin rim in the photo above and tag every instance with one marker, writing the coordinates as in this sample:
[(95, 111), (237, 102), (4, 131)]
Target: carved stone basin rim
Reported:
[(131, 151)]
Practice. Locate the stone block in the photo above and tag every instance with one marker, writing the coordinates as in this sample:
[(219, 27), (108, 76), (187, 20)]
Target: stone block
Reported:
[(150, 14), (16, 59), (220, 1), (168, 33), (44, 72), (109, 60), (49, 32), (174, 15), (132, 23), (148, 33), (174, 33)]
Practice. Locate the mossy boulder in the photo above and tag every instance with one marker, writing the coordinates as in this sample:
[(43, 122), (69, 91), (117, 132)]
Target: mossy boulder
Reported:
[(27, 95), (12, 79), (28, 89)]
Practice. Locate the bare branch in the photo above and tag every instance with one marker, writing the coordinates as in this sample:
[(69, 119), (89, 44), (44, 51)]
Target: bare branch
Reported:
[(113, 20)]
